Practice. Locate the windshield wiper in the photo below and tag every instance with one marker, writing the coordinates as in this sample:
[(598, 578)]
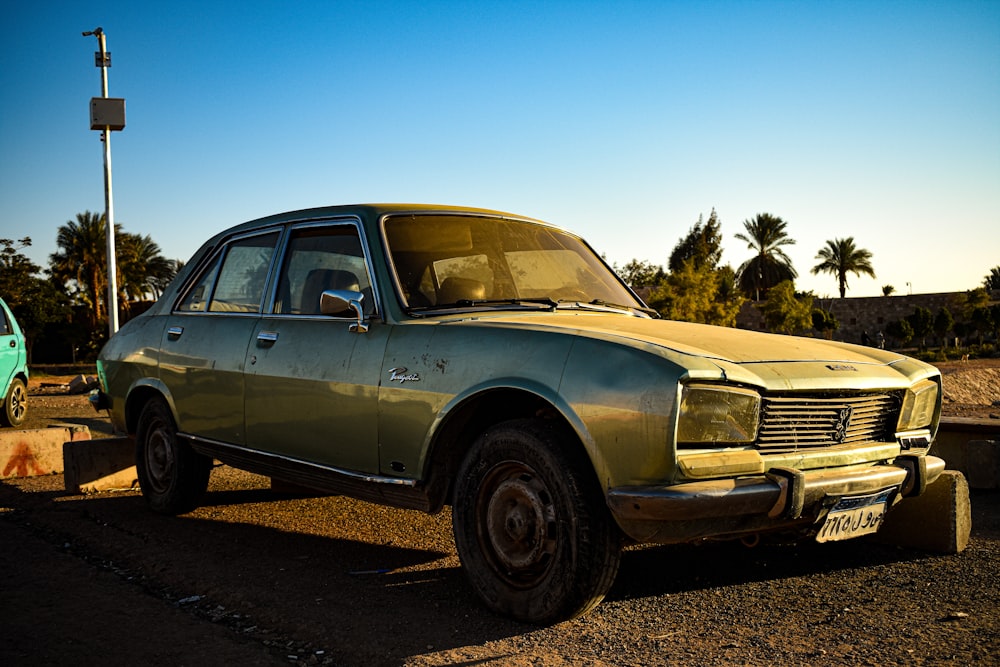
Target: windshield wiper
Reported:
[(607, 305), (472, 303)]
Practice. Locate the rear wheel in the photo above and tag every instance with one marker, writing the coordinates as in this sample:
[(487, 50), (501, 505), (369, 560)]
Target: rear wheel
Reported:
[(531, 527), (15, 403), (173, 477)]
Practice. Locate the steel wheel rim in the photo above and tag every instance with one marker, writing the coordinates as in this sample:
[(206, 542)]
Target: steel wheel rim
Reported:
[(517, 523), (160, 458)]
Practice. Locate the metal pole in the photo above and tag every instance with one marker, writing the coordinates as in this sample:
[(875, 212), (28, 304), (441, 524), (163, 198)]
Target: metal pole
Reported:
[(109, 206)]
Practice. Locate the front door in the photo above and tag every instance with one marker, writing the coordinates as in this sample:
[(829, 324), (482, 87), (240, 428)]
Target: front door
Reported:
[(311, 382)]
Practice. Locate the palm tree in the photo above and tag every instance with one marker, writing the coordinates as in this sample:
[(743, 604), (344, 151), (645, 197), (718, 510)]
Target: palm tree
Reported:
[(143, 270), (81, 260), (992, 280), (840, 257), (765, 234)]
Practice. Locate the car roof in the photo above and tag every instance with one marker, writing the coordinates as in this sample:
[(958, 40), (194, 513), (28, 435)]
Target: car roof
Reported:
[(376, 211)]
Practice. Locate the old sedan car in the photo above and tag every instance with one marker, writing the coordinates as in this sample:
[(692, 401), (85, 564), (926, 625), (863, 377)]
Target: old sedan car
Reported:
[(423, 356), (13, 369)]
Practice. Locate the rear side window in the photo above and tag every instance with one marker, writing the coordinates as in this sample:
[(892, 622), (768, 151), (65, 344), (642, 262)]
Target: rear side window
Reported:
[(234, 282)]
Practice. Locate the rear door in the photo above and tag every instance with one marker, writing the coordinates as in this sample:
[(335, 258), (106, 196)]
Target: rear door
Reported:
[(205, 340)]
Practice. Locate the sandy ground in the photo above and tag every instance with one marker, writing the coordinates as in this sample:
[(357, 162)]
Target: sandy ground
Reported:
[(258, 578)]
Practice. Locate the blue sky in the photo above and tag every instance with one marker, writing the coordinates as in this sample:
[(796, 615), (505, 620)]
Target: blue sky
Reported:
[(622, 121)]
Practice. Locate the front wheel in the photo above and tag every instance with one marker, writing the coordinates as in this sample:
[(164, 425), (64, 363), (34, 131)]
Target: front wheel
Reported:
[(173, 477), (15, 403), (532, 530)]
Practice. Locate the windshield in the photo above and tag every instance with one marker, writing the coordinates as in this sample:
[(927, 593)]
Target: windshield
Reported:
[(455, 260)]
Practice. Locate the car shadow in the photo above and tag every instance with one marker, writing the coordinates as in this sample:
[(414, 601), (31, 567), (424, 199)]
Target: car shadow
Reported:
[(364, 583)]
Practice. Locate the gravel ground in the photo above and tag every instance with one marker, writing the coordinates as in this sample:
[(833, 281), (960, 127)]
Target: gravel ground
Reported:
[(256, 577)]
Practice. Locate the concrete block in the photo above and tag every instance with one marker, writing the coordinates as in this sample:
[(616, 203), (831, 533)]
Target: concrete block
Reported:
[(983, 464), (39, 451), (100, 465), (939, 520), (953, 438)]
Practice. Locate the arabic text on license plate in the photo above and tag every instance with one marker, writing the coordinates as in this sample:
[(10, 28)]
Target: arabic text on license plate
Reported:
[(854, 516)]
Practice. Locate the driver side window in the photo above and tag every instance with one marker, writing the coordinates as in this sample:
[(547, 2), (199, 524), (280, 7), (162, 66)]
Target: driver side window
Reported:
[(320, 259)]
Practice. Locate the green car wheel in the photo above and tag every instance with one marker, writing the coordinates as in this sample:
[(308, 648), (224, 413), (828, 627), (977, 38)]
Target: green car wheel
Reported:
[(531, 528), (173, 477)]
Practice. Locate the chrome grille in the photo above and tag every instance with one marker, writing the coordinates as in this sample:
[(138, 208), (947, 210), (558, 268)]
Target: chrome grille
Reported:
[(791, 423)]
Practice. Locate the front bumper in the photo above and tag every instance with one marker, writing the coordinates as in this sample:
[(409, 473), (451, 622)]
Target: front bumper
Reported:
[(781, 498)]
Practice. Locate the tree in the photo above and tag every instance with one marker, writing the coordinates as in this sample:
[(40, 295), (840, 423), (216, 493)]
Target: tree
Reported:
[(81, 260), (971, 300), (901, 331), (992, 280), (702, 245), (887, 290), (962, 331), (982, 321), (42, 304), (840, 257), (638, 274), (943, 322), (922, 322), (765, 235), (35, 302), (824, 322), (786, 312), (15, 270), (143, 270), (698, 294)]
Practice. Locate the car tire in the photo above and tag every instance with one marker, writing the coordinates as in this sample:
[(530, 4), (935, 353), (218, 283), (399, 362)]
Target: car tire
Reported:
[(15, 403), (173, 477), (532, 530)]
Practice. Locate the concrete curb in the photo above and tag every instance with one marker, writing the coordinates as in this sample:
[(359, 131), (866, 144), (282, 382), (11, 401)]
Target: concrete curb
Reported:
[(100, 465), (32, 452), (939, 520), (971, 446)]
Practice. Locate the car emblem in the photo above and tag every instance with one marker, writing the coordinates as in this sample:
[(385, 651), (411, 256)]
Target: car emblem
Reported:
[(841, 367), (843, 421), (400, 375)]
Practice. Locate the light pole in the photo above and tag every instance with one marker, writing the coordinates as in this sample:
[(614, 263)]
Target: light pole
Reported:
[(107, 114)]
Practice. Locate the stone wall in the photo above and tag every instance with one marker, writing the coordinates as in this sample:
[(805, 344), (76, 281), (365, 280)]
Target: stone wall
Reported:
[(870, 313)]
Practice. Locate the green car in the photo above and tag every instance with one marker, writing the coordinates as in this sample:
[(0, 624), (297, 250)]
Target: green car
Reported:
[(13, 369), (423, 356)]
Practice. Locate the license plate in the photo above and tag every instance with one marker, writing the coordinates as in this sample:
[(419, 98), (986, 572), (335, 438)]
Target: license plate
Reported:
[(854, 516)]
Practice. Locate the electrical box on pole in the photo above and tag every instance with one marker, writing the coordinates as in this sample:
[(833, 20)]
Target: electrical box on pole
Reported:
[(107, 113)]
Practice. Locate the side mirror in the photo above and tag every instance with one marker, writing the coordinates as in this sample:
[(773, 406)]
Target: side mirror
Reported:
[(340, 302)]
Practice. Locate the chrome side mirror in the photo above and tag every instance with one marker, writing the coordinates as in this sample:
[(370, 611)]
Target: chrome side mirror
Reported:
[(340, 302)]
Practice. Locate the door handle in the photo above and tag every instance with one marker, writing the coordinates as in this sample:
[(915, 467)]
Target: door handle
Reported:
[(13, 342), (265, 338), (173, 333)]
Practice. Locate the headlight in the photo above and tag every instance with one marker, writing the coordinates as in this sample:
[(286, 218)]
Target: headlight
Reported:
[(724, 415), (919, 405)]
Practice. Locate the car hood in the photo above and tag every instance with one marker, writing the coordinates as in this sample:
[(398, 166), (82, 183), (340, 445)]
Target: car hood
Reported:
[(770, 360)]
